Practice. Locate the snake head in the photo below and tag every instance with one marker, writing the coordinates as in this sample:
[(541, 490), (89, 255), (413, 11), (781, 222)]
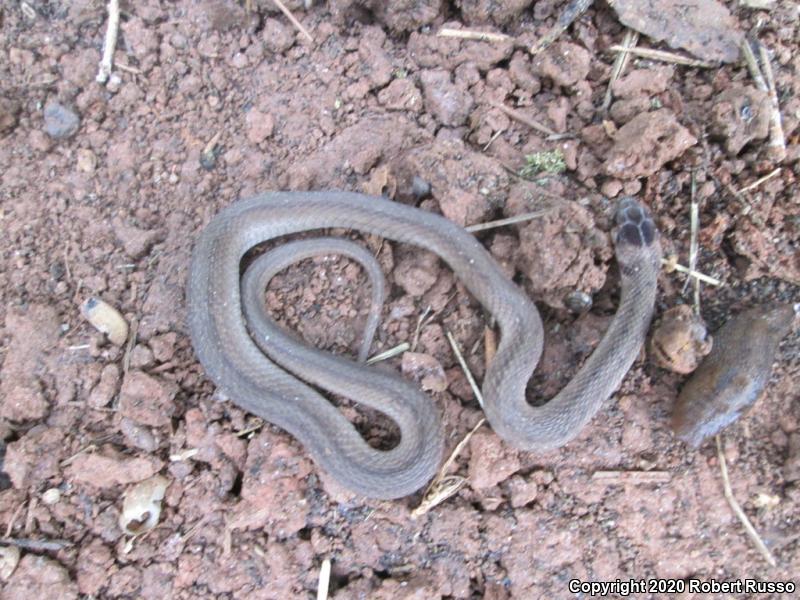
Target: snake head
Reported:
[(637, 235)]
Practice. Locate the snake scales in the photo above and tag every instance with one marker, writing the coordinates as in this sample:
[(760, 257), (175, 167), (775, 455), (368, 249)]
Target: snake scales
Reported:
[(257, 365)]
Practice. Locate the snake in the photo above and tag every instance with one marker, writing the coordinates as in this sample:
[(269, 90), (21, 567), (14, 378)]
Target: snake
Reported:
[(269, 372)]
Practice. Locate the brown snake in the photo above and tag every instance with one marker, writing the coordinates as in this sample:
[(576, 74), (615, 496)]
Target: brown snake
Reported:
[(258, 369)]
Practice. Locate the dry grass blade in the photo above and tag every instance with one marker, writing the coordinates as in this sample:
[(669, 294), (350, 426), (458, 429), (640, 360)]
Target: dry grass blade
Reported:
[(641, 477), (324, 579), (444, 486), (36, 545), (758, 182), (670, 264), (298, 25), (694, 245), (571, 12), (620, 63), (518, 116), (777, 139), (110, 43), (390, 353), (664, 56), (468, 34), (748, 526), (509, 221), (457, 351)]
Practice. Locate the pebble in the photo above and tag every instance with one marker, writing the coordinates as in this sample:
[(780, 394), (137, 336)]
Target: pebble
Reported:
[(59, 121)]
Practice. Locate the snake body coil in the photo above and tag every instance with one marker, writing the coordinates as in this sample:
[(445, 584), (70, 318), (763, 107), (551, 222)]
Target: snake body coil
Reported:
[(258, 369)]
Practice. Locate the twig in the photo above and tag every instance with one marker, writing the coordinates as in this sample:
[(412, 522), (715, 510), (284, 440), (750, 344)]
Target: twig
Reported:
[(758, 182), (643, 477), (390, 353), (509, 221), (748, 526), (665, 56), (294, 21), (518, 116), (465, 368), (469, 34), (126, 359), (36, 545), (443, 486), (324, 579), (12, 520), (694, 246), (752, 65), (248, 430), (420, 322), (620, 63), (672, 265), (571, 12), (777, 141), (110, 44), (496, 135)]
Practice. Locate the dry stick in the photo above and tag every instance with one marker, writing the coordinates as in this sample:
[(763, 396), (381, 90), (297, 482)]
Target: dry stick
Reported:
[(670, 265), (752, 66), (632, 476), (390, 353), (758, 182), (748, 526), (620, 63), (36, 545), (465, 368), (324, 579), (509, 221), (294, 21), (777, 140), (571, 12), (469, 34), (518, 116), (694, 221), (110, 42), (443, 486), (663, 56)]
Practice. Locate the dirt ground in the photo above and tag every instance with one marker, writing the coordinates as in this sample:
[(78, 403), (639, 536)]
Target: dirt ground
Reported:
[(104, 187)]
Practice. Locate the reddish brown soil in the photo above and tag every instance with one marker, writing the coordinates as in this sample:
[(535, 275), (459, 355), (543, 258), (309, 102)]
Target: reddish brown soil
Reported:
[(378, 104)]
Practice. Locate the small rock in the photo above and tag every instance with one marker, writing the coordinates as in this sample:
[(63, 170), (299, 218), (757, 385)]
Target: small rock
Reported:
[(33, 459), (59, 121), (740, 114), (141, 357), (110, 470), (448, 103), (34, 334), (644, 144), (415, 275), (9, 114), (522, 491), (401, 94), (104, 391), (259, 126), (136, 242), (86, 160), (137, 435), (680, 340), (40, 577), (491, 461), (565, 63), (277, 38), (425, 369), (163, 346), (274, 486), (644, 82), (51, 496), (146, 399)]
